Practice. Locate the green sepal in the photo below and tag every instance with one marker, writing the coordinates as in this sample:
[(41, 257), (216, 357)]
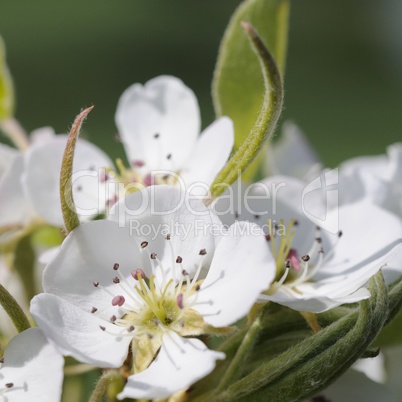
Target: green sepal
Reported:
[(7, 94), (314, 363), (264, 122), (69, 211), (237, 87)]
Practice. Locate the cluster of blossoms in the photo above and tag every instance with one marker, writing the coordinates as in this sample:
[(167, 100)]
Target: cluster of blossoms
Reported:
[(154, 268)]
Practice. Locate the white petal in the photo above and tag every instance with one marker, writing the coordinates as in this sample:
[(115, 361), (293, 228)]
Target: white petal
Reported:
[(47, 256), (373, 368), (369, 233), (375, 165), (359, 182), (15, 208), (156, 211), (164, 106), (180, 363), (42, 134), (242, 267), (42, 177), (292, 155), (312, 302), (393, 269), (35, 368), (7, 155), (88, 255), (78, 334), (210, 154)]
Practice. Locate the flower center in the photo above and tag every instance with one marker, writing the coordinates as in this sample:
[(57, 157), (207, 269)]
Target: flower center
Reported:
[(291, 269), (139, 175), (152, 306)]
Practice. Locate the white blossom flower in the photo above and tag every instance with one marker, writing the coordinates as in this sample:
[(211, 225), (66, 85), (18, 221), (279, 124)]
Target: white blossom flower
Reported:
[(29, 185), (137, 281), (317, 270), (378, 178), (292, 155), (159, 125), (31, 369)]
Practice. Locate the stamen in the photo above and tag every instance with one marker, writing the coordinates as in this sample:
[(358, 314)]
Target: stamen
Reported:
[(179, 300), (94, 310), (144, 244), (112, 201), (168, 156), (179, 260), (138, 163), (113, 318), (156, 135), (96, 284), (294, 259), (153, 256), (116, 280), (148, 180), (116, 266), (9, 385), (118, 300), (138, 273), (203, 251), (104, 177)]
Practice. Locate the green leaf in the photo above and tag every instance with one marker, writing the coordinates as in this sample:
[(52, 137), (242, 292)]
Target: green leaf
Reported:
[(313, 364), (7, 97), (265, 124), (237, 87), (70, 216)]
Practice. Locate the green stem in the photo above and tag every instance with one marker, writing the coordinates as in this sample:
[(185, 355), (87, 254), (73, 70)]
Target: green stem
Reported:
[(68, 209), (13, 309), (237, 364), (101, 386)]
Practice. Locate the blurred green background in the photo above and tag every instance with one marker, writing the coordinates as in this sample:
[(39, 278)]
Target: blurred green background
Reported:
[(343, 80)]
